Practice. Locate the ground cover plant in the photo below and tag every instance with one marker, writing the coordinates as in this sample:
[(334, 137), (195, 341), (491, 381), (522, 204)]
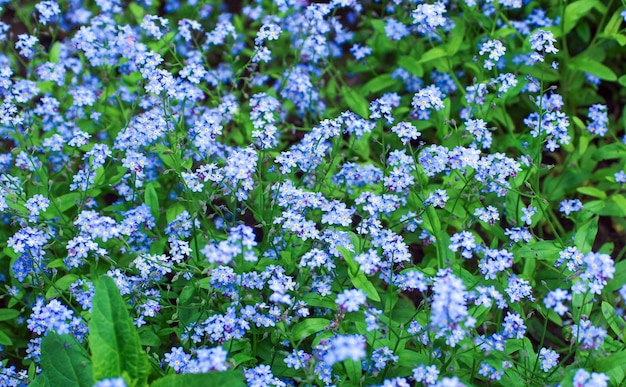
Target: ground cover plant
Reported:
[(276, 193)]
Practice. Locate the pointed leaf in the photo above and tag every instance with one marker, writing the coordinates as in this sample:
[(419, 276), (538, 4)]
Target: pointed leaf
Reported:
[(152, 200), (353, 370), (8, 314), (4, 339), (616, 322), (574, 11), (65, 362), (40, 381), (586, 235), (432, 54), (355, 101), (591, 66), (113, 339), (306, 328)]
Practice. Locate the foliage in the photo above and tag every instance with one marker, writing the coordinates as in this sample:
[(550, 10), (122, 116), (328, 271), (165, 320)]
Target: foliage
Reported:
[(353, 193)]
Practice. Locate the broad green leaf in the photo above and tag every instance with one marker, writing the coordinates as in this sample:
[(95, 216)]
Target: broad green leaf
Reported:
[(378, 25), (40, 381), (616, 322), (68, 201), (355, 101), (432, 54), (113, 339), (348, 257), (588, 65), (432, 223), (616, 205), (592, 191), (357, 277), (611, 151), (612, 206), (378, 84), (313, 299), (612, 26), (173, 211), (64, 282), (605, 363), (152, 200), (353, 370), (231, 378), (136, 10), (306, 328), (4, 339), (411, 65), (458, 33), (56, 263), (148, 338), (168, 157), (8, 314), (586, 235), (241, 358), (574, 11), (361, 282), (622, 80), (542, 250), (410, 359), (54, 52), (65, 362)]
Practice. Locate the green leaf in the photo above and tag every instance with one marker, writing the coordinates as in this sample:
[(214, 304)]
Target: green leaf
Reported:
[(64, 282), (8, 314), (68, 201), (603, 364), (40, 381), (588, 65), (152, 200), (622, 80), (615, 150), (231, 378), (592, 191), (458, 33), (542, 250), (616, 322), (411, 65), (410, 359), (620, 39), (353, 370), (355, 101), (54, 52), (348, 257), (113, 339), (361, 282), (616, 205), (432, 54), (378, 84), (306, 328), (573, 12), (612, 27), (4, 339), (56, 263), (357, 277), (65, 362), (586, 235), (136, 10)]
